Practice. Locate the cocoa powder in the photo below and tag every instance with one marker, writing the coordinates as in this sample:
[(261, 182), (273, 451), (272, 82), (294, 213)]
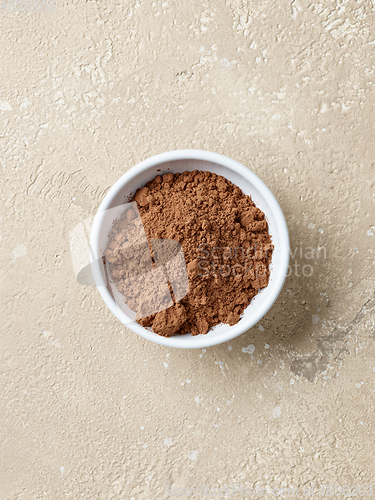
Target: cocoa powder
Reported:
[(210, 253)]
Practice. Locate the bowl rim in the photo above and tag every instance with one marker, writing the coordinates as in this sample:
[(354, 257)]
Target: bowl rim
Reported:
[(198, 341)]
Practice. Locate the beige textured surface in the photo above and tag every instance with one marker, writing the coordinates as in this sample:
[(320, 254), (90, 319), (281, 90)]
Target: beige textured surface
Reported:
[(88, 409)]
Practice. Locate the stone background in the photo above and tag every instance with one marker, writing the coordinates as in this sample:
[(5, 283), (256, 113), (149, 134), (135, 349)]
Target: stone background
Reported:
[(88, 409)]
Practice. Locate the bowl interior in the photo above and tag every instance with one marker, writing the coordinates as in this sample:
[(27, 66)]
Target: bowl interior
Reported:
[(251, 185)]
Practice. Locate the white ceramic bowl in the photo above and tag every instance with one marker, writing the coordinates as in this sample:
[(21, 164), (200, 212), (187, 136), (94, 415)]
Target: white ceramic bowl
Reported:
[(250, 184)]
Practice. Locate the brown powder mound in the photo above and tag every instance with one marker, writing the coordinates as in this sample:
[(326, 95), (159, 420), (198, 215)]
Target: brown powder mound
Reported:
[(225, 243), (169, 321)]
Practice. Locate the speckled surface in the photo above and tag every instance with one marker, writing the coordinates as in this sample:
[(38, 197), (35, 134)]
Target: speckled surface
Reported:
[(88, 409)]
